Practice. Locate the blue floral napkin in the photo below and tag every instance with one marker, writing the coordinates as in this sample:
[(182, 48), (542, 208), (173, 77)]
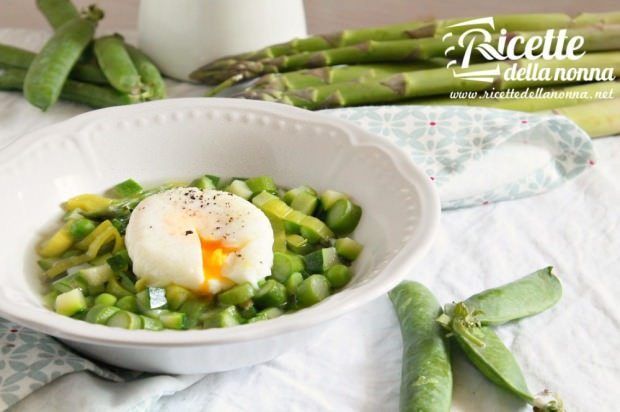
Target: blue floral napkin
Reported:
[(475, 156)]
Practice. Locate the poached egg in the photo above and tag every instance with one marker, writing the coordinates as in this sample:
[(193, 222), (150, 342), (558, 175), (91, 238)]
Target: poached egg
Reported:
[(206, 241)]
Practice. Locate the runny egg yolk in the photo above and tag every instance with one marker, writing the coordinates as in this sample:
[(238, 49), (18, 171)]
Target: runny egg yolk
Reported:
[(214, 255)]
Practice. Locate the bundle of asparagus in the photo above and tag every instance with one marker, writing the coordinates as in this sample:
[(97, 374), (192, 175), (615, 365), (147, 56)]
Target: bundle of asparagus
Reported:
[(406, 64)]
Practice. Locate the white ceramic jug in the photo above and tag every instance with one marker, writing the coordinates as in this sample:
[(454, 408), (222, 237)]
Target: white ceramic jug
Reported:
[(181, 35)]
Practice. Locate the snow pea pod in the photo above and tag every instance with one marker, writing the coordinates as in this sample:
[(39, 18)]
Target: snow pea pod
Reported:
[(117, 65), (527, 296), (58, 12), (19, 58), (426, 374), (50, 68), (149, 73), (88, 94), (494, 360)]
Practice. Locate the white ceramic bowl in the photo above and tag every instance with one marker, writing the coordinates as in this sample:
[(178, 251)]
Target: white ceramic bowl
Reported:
[(184, 138)]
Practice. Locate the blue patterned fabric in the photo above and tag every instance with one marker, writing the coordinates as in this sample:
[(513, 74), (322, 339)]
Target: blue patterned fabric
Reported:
[(446, 142)]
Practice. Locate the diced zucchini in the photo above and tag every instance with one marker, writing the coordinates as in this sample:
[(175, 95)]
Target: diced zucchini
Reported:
[(269, 313), (70, 303), (330, 197), (151, 298), (100, 314), (284, 264), (321, 260), (271, 294), (49, 299), (176, 296), (70, 282), (151, 324), (236, 295), (193, 308), (128, 303), (240, 188), (348, 248), (125, 320), (223, 318), (174, 320), (128, 188)]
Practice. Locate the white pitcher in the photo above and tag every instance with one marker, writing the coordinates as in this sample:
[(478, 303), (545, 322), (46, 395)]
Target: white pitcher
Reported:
[(181, 35)]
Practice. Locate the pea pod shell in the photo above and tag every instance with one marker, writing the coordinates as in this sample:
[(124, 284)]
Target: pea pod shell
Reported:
[(57, 12), (426, 375), (50, 68), (117, 65), (527, 296), (492, 358), (149, 73)]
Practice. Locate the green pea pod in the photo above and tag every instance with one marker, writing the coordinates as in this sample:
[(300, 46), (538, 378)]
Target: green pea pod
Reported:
[(527, 296), (426, 375), (117, 65), (58, 12), (50, 68), (84, 93), (493, 359), (149, 73)]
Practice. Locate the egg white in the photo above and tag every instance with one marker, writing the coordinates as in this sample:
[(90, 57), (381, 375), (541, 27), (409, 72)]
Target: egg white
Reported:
[(164, 234)]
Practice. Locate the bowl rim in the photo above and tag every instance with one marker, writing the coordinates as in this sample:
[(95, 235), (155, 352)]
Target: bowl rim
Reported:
[(388, 277)]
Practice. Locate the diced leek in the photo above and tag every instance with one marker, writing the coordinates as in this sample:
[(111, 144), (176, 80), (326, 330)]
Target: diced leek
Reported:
[(298, 244), (151, 324), (279, 234), (223, 318), (114, 288), (70, 303), (96, 275), (329, 197), (293, 193), (100, 314), (125, 320), (240, 188), (88, 203), (206, 182), (305, 203), (262, 184), (69, 283), (273, 205), (60, 242), (128, 303), (174, 320)]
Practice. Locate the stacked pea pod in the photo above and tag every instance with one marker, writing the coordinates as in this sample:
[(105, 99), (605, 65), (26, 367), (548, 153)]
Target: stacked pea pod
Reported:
[(405, 64), (427, 375), (75, 66)]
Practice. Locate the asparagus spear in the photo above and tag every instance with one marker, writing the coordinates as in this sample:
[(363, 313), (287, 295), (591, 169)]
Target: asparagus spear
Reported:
[(416, 29), (598, 119), (404, 86), (577, 95), (596, 38)]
